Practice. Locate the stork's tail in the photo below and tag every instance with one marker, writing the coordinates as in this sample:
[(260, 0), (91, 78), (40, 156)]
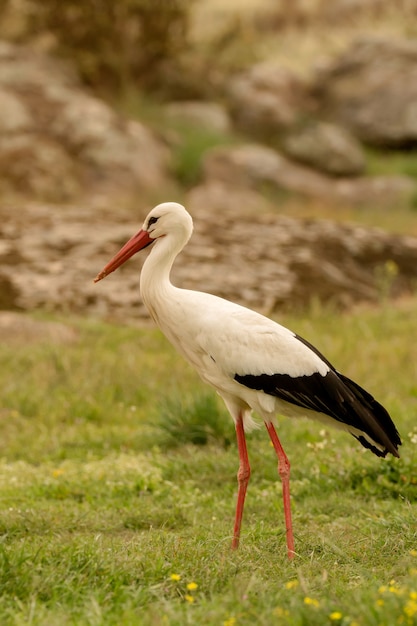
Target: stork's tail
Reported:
[(379, 432)]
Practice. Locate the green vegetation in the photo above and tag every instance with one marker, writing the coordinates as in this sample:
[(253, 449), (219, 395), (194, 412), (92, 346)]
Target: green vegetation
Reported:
[(391, 163), (105, 521), (190, 149), (111, 44)]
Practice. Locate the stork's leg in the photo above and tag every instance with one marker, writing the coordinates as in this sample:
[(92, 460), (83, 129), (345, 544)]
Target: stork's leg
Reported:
[(242, 477), (284, 472)]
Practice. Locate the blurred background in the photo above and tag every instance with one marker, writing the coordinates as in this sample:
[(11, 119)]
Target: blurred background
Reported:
[(294, 122)]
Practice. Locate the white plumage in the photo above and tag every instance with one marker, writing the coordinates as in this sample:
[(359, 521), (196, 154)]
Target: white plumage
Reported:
[(254, 363)]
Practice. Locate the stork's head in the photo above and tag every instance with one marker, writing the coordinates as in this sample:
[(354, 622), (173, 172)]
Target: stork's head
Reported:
[(168, 219)]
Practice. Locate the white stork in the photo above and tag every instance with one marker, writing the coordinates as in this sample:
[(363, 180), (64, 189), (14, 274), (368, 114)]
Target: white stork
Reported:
[(254, 363)]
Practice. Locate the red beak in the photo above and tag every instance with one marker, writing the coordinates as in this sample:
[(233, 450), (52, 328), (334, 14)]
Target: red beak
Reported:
[(136, 243)]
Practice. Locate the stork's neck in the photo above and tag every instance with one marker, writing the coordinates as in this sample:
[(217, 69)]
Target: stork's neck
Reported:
[(155, 284)]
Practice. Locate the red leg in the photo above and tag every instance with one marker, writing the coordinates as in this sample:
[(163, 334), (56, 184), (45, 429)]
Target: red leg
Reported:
[(243, 479), (284, 472)]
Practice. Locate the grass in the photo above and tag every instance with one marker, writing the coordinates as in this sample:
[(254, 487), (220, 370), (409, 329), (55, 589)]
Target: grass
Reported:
[(198, 420), (390, 163), (188, 140), (103, 521)]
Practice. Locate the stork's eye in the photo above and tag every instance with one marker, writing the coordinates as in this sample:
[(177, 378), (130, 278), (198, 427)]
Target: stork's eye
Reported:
[(152, 220)]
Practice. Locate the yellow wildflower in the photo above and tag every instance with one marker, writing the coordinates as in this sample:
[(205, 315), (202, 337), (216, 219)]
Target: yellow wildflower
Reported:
[(175, 577), (335, 616), (192, 586), (410, 609), (311, 601), (57, 472), (391, 268), (231, 621), (413, 552), (280, 612), (383, 589), (380, 602), (291, 584), (413, 595), (189, 598)]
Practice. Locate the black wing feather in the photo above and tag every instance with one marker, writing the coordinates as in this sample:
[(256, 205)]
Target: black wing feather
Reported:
[(334, 395), (368, 402)]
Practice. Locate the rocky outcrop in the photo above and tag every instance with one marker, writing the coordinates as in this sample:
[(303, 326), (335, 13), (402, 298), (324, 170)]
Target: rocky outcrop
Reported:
[(56, 141), (325, 147), (255, 166), (49, 259), (267, 100), (372, 90), (368, 94)]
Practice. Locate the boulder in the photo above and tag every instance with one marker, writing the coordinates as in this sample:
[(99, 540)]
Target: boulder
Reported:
[(267, 99), (32, 164), (222, 198), (338, 11), (372, 90), (57, 141), (376, 191), (15, 116), (326, 147), (255, 166)]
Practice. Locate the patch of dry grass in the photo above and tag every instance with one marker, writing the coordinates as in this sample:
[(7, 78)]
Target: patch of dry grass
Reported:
[(295, 34)]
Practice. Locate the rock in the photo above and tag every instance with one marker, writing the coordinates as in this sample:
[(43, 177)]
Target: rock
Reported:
[(57, 141), (248, 165), (9, 292), (222, 198), (339, 10), (269, 263), (208, 115), (376, 191), (14, 116), (21, 65), (267, 99), (326, 147), (33, 164), (372, 90), (254, 166)]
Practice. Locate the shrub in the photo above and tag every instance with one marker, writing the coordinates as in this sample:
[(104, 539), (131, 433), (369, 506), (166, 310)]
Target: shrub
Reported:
[(199, 421), (113, 43)]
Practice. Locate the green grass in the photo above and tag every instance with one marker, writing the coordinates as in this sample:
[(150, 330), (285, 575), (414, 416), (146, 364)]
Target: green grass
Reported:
[(188, 140), (190, 150), (103, 521), (392, 162)]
